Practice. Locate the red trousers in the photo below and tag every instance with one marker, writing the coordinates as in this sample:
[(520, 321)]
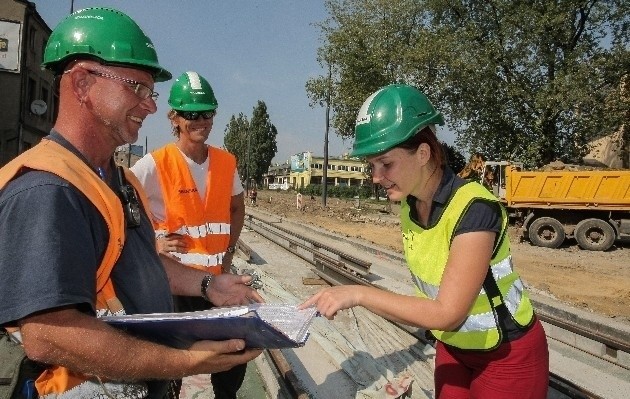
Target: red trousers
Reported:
[(516, 369)]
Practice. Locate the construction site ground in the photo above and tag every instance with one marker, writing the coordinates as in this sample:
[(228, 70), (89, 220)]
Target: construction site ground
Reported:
[(593, 281)]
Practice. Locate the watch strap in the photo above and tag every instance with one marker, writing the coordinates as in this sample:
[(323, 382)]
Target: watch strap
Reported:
[(205, 283)]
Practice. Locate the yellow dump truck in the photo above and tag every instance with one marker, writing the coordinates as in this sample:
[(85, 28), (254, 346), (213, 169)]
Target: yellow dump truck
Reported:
[(592, 206)]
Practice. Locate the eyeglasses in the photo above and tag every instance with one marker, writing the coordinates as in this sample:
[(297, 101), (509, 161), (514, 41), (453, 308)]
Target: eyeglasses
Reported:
[(194, 115), (141, 90)]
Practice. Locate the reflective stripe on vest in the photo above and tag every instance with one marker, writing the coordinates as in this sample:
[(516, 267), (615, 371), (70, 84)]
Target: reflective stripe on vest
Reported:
[(479, 330), (483, 321), (199, 260), (199, 231), (202, 218), (52, 157)]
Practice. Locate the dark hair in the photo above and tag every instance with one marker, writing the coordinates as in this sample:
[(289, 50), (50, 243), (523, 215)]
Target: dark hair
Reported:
[(171, 116), (427, 136)]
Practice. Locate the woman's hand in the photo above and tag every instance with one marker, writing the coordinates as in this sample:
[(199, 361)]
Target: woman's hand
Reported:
[(331, 300)]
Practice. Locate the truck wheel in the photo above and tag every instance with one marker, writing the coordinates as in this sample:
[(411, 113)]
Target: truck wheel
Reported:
[(546, 232), (594, 235)]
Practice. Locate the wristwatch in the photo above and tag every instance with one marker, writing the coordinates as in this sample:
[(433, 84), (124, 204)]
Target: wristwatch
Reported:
[(231, 249), (205, 283)]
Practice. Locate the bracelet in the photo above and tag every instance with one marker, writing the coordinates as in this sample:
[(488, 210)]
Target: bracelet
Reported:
[(205, 283)]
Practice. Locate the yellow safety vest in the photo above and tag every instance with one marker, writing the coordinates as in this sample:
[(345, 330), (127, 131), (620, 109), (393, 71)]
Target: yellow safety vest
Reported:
[(202, 218), (427, 251), (52, 157)]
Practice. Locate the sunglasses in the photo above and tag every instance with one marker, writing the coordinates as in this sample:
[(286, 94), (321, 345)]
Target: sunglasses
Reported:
[(194, 115)]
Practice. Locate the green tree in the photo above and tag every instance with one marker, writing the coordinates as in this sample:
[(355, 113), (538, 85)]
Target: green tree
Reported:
[(532, 80), (454, 158), (252, 142), (263, 145), (235, 141)]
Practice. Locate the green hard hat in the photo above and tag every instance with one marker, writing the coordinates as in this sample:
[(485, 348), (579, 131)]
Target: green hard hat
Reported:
[(389, 117), (192, 92), (103, 34)]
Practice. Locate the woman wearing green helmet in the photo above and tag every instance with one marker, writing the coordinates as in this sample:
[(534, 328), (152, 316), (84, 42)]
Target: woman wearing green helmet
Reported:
[(489, 342)]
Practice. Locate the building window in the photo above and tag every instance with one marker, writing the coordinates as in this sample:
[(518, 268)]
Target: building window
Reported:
[(31, 38), (46, 100), (11, 147), (31, 90)]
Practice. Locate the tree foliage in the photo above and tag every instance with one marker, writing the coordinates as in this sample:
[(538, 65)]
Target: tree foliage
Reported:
[(454, 158), (252, 142), (532, 80), (235, 141), (263, 146)]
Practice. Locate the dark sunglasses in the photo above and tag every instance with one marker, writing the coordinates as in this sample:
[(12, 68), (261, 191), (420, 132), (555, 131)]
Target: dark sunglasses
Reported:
[(194, 115)]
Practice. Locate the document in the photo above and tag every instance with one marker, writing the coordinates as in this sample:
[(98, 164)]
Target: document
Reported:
[(261, 325)]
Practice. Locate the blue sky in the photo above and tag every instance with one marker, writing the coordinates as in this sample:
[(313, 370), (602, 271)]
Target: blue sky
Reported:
[(249, 50)]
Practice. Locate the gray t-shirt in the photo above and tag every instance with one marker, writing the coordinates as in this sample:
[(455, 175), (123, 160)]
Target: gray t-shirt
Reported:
[(52, 240)]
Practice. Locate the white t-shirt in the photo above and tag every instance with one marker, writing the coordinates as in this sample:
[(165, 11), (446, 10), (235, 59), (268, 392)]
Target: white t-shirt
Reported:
[(146, 171)]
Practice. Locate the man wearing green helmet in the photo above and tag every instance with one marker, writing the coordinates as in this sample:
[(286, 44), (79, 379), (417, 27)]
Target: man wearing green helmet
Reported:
[(489, 342), (76, 242), (196, 199)]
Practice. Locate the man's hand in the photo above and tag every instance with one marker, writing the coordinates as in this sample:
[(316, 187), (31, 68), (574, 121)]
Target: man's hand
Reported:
[(172, 243), (216, 356), (232, 289)]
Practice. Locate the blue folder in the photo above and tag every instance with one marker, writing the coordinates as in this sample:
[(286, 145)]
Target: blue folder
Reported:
[(266, 326)]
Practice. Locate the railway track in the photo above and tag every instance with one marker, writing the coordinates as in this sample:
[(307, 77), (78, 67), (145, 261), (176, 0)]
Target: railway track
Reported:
[(567, 331)]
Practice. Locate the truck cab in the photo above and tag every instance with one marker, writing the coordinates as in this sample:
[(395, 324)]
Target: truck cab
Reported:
[(494, 176)]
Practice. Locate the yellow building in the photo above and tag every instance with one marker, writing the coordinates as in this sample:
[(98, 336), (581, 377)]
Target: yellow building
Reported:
[(307, 169)]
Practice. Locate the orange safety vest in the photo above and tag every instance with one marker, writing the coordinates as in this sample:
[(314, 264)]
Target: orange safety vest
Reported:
[(204, 220), (52, 157)]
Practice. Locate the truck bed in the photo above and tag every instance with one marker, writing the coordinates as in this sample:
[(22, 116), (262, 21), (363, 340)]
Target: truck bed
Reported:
[(562, 189)]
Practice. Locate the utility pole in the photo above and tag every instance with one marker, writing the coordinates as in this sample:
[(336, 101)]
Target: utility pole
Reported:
[(247, 164), (71, 6), (325, 171)]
